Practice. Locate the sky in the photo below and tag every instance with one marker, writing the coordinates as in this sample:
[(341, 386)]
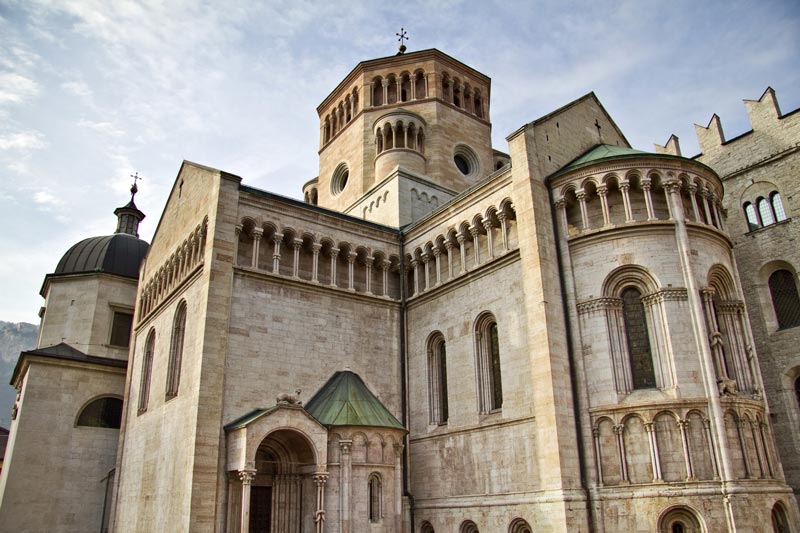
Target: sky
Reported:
[(92, 91)]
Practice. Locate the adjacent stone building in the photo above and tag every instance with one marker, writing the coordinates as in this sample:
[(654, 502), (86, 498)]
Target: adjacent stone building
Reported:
[(448, 337)]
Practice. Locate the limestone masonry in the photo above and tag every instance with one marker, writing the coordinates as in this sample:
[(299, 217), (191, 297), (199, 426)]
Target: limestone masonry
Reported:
[(567, 336)]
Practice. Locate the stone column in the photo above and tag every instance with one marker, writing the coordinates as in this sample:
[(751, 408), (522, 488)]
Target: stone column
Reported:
[(487, 224), (257, 233), (759, 450), (602, 192), (345, 489), (462, 239), (437, 254), (320, 479), (687, 456), (385, 266), (276, 253), (692, 188), (246, 476), (368, 260), (351, 261), (623, 463), (426, 259), (296, 245), (648, 200), (598, 455), (503, 218), (711, 448), (315, 248), (655, 461), (748, 467), (334, 254), (371, 90), (625, 187), (448, 245), (581, 196), (414, 265), (763, 431), (385, 84), (476, 249), (704, 196)]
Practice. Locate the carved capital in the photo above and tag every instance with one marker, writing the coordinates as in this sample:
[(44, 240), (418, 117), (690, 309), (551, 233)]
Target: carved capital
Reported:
[(320, 478), (561, 203), (619, 429), (247, 476), (599, 304), (277, 238), (345, 446), (351, 257), (316, 247), (297, 243), (682, 423), (602, 190)]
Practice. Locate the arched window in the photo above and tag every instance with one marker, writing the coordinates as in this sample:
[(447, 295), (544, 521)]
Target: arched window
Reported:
[(777, 206), (641, 358), (783, 289), (468, 526), (176, 351), (765, 211), (490, 385), (426, 527), (437, 378), (780, 522), (102, 413), (750, 215), (375, 499), (147, 369), (518, 525)]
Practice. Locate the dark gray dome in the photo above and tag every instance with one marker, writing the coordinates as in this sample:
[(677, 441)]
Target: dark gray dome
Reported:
[(119, 254)]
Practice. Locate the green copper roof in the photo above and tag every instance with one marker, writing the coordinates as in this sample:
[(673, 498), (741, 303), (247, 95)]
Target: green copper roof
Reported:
[(346, 401), (603, 151)]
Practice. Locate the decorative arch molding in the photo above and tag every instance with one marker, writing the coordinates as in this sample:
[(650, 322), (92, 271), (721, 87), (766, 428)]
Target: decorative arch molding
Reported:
[(728, 334), (519, 525), (488, 363), (680, 519), (468, 526), (437, 378), (638, 331)]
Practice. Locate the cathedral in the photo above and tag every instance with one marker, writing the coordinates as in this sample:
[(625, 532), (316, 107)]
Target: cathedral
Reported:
[(566, 335)]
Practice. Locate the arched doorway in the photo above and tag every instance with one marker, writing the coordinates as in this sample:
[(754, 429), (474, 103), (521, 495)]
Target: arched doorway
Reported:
[(282, 495)]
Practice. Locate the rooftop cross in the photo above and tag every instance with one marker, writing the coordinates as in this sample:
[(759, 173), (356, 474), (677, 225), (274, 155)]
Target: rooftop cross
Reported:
[(402, 36), (134, 188)]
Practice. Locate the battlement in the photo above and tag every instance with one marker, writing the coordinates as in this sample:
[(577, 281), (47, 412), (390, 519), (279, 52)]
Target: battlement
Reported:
[(767, 138)]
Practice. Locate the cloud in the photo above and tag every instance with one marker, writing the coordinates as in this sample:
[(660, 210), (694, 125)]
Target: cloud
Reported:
[(16, 88), (104, 128), (24, 141), (78, 88), (47, 199)]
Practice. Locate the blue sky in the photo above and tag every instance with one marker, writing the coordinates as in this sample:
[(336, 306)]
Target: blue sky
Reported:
[(94, 90)]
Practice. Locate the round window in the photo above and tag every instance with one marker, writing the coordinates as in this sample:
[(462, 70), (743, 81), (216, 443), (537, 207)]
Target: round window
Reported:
[(462, 164), (339, 179), (466, 161)]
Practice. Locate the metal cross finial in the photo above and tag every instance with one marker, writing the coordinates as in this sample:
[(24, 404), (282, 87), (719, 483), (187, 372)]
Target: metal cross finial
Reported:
[(402, 36), (134, 187)]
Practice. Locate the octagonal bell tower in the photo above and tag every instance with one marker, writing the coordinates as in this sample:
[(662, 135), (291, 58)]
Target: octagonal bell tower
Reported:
[(401, 135)]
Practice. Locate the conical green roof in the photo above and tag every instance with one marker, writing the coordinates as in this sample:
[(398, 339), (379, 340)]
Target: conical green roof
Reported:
[(346, 401)]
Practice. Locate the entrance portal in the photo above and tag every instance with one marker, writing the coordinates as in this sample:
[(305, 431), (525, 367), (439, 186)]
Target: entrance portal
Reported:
[(283, 498)]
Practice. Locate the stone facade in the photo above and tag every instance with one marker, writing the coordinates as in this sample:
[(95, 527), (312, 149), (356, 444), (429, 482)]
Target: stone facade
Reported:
[(754, 167), (554, 339)]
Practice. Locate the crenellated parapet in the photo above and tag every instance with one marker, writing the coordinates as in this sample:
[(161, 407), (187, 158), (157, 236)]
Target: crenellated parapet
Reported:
[(770, 137)]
